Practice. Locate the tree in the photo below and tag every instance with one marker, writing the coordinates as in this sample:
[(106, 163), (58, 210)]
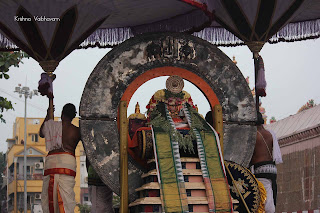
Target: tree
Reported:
[(83, 208), (8, 59)]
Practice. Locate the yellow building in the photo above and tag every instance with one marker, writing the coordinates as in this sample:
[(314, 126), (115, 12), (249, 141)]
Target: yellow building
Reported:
[(36, 152)]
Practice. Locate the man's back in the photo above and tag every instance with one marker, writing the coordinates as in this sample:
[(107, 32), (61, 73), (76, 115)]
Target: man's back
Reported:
[(264, 146), (70, 136)]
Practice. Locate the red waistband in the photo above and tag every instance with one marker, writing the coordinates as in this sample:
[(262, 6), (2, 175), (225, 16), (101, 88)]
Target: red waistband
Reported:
[(63, 171), (59, 153)]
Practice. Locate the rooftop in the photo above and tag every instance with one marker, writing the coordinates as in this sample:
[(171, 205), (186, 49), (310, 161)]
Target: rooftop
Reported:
[(294, 124)]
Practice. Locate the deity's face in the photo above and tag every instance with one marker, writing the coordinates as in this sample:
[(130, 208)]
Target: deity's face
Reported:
[(174, 106), (173, 109)]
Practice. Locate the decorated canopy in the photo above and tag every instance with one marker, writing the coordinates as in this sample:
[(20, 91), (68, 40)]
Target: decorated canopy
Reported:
[(78, 19), (235, 22), (49, 30), (263, 21)]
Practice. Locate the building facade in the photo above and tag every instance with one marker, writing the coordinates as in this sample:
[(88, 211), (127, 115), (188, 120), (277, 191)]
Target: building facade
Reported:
[(35, 152), (299, 174)]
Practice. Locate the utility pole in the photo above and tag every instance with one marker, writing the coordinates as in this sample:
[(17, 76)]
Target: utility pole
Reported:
[(27, 94)]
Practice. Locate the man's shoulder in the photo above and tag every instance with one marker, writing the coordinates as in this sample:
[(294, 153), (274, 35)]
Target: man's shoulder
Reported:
[(52, 122)]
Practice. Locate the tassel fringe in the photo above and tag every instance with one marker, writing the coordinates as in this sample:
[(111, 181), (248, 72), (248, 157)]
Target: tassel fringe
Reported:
[(219, 36), (289, 33)]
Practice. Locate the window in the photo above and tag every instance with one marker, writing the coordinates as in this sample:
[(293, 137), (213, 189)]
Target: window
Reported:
[(35, 121), (35, 137), (85, 197), (188, 192)]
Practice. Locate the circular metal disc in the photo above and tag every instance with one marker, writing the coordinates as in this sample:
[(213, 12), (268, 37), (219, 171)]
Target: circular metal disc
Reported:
[(146, 53)]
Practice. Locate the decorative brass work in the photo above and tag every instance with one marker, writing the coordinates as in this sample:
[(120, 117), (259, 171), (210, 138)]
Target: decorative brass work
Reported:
[(124, 200), (242, 181), (49, 66), (255, 47)]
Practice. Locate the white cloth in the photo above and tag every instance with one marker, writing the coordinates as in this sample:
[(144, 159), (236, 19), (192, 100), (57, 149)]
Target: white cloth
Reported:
[(52, 131), (65, 183), (61, 160), (269, 205), (101, 199), (58, 182), (277, 158)]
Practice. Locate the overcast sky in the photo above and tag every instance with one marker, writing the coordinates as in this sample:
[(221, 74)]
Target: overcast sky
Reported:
[(292, 74)]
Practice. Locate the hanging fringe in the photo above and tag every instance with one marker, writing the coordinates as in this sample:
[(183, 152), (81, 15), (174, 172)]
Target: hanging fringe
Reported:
[(6, 44), (219, 36), (297, 32), (261, 79), (107, 37), (289, 33)]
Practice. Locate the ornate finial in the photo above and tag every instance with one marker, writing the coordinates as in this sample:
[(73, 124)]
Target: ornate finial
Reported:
[(49, 66), (137, 114), (174, 84), (234, 60), (255, 47), (137, 109)]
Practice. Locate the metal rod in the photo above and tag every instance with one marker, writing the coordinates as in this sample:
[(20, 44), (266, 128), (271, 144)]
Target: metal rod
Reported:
[(124, 193), (25, 153), (27, 94)]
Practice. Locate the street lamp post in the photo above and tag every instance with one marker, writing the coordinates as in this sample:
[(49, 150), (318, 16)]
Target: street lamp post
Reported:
[(27, 94)]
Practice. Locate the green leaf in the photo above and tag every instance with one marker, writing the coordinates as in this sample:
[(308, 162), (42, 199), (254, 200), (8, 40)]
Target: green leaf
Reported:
[(6, 76), (0, 76)]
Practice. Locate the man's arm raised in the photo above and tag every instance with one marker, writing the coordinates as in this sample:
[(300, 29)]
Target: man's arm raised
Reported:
[(50, 116)]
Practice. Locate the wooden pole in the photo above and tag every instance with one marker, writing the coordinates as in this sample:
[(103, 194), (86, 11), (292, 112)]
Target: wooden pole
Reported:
[(256, 68), (218, 123), (124, 193)]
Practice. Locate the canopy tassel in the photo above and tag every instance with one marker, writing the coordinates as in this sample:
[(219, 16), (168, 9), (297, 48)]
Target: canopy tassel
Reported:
[(261, 79), (255, 47)]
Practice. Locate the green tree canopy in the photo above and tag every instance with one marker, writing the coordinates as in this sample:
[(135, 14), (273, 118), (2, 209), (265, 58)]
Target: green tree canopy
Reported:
[(8, 59)]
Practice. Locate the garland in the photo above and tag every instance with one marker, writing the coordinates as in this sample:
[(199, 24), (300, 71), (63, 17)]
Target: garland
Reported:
[(163, 120)]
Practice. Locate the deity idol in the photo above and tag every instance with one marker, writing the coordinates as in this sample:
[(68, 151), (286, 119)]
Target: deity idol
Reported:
[(185, 167)]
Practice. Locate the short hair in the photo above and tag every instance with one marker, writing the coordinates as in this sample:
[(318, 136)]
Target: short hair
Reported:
[(69, 110), (260, 120)]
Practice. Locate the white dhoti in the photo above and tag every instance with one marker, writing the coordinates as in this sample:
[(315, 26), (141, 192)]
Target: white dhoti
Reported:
[(269, 205), (58, 183)]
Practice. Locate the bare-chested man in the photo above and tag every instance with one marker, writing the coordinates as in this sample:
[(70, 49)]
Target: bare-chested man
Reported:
[(263, 161), (62, 138)]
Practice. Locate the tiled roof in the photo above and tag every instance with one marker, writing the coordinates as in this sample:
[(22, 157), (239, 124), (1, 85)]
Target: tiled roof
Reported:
[(305, 120)]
